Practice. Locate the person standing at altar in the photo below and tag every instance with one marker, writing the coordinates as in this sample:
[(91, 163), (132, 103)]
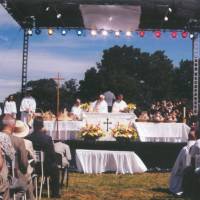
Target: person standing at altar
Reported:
[(119, 105), (109, 98), (10, 106), (77, 110), (100, 105), (28, 107)]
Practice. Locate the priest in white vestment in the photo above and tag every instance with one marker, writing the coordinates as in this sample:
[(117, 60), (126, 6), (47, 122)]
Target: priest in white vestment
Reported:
[(10, 107), (100, 105), (77, 111), (119, 105), (183, 160), (27, 108)]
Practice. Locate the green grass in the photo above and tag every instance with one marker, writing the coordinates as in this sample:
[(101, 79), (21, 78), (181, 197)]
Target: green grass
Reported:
[(146, 186)]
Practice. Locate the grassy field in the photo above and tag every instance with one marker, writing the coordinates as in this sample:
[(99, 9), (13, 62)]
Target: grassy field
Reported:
[(146, 186)]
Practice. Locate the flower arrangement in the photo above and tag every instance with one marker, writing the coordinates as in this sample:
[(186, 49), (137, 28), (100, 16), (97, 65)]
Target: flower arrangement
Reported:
[(85, 106), (91, 131), (130, 107), (48, 116), (124, 131)]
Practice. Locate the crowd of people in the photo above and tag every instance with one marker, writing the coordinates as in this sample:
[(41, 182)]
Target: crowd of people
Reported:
[(18, 160), (159, 111), (168, 111)]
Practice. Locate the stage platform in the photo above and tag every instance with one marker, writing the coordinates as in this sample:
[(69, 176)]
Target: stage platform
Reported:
[(159, 154)]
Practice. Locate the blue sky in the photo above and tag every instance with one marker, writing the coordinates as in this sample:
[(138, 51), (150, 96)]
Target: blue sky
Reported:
[(69, 55)]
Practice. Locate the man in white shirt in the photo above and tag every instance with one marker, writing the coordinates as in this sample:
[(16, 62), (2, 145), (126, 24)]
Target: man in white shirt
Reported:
[(109, 98), (28, 107), (77, 110), (100, 105), (119, 105), (10, 107)]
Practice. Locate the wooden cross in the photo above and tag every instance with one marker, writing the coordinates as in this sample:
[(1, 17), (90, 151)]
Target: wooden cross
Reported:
[(107, 123), (58, 79)]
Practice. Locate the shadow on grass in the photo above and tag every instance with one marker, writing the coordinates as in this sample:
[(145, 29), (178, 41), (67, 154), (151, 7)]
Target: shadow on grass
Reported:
[(161, 190)]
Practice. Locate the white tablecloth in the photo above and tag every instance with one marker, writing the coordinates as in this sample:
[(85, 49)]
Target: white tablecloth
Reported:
[(162, 132), (113, 119), (98, 161), (68, 130)]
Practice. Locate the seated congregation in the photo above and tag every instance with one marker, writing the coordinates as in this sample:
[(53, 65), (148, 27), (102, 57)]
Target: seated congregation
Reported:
[(20, 165)]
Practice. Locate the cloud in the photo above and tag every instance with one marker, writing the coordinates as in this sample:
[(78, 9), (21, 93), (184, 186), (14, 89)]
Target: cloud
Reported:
[(6, 19), (41, 65), (8, 87)]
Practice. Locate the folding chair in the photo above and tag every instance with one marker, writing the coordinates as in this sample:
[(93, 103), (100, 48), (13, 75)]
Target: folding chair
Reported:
[(40, 172), (63, 170), (22, 191)]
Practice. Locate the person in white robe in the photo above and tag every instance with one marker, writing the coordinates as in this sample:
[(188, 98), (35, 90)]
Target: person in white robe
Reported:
[(182, 161), (119, 105), (0, 111), (27, 108), (100, 105), (10, 106), (77, 111)]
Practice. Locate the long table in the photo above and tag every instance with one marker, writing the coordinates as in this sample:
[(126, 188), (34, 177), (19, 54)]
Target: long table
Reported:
[(147, 131), (99, 161), (162, 132)]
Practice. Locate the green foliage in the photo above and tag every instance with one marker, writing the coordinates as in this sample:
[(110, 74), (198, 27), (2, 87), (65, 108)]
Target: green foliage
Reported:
[(142, 78)]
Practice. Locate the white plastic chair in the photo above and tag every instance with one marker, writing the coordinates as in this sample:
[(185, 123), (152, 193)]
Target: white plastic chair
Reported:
[(40, 159)]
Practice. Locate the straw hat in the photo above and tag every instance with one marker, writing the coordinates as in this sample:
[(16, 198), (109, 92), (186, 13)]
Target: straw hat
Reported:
[(21, 129)]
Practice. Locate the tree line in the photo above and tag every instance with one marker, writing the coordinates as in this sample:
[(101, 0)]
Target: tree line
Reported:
[(142, 77)]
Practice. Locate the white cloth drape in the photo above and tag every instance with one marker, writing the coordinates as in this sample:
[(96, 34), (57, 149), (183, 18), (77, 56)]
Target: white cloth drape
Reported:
[(162, 132), (98, 161)]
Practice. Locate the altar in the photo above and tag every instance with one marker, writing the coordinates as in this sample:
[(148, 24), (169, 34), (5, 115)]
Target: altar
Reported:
[(69, 130), (108, 121), (147, 131)]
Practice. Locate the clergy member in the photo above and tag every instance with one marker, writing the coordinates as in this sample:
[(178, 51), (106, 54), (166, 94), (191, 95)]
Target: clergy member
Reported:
[(10, 106), (77, 110), (183, 160), (119, 105), (100, 105), (28, 107)]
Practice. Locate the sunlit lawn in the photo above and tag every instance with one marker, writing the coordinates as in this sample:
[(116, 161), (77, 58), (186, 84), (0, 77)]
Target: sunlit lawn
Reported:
[(146, 186)]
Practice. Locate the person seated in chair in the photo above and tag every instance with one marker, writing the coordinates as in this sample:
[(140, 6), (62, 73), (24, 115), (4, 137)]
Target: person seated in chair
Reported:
[(182, 162), (44, 143), (64, 150), (23, 179)]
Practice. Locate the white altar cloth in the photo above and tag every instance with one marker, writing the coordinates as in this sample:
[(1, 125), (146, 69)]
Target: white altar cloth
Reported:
[(162, 132), (68, 130), (113, 119), (98, 161)]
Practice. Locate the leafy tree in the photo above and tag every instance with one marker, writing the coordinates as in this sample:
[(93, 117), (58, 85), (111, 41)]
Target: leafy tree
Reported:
[(140, 76), (183, 80)]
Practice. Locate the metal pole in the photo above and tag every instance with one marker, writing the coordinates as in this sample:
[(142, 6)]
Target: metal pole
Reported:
[(25, 61), (195, 50)]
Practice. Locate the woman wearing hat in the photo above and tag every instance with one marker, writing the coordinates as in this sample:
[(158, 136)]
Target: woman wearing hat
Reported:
[(22, 130)]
